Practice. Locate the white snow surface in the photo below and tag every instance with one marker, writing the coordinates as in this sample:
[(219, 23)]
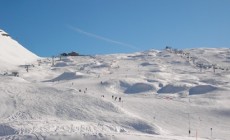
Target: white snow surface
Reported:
[(12, 53), (163, 96)]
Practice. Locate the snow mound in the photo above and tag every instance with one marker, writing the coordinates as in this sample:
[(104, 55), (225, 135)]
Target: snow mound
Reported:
[(113, 85), (68, 76), (128, 87), (138, 88), (173, 88), (201, 89)]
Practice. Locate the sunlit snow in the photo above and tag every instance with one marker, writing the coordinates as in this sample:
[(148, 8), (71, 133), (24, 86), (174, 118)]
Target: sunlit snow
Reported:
[(151, 95)]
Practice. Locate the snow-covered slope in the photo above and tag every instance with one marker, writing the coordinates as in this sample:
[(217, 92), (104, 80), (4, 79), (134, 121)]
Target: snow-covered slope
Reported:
[(12, 53), (163, 96)]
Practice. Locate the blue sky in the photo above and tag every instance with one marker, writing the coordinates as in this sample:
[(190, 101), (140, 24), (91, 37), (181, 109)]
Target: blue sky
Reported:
[(50, 27)]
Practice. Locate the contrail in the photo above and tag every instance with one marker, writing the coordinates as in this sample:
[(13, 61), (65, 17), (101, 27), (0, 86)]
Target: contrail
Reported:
[(102, 38)]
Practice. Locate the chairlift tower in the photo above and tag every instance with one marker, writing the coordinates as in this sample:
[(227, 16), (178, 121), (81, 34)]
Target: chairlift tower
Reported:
[(52, 60), (188, 56), (214, 66), (39, 62), (189, 128), (200, 66), (60, 56), (27, 68)]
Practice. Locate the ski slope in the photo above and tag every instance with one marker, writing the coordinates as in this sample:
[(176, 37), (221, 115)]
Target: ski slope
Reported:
[(163, 96)]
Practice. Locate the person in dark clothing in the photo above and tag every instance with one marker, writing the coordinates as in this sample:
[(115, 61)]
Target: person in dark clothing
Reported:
[(119, 99)]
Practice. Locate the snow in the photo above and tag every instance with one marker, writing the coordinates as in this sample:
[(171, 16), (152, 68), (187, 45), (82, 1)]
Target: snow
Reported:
[(201, 89), (163, 96), (12, 53), (172, 88), (68, 76)]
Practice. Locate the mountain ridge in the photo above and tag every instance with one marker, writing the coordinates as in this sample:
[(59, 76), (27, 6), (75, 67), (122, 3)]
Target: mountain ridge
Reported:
[(12, 53)]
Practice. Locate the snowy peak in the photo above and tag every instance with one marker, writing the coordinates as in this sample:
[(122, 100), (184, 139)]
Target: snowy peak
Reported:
[(12, 53)]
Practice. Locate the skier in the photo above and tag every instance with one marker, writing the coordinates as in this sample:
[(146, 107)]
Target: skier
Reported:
[(119, 99)]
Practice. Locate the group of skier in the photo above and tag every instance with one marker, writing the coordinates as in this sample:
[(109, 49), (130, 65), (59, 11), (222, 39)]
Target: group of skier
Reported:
[(115, 98)]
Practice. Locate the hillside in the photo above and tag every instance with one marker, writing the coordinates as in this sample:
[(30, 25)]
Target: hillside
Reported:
[(163, 96), (12, 53)]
